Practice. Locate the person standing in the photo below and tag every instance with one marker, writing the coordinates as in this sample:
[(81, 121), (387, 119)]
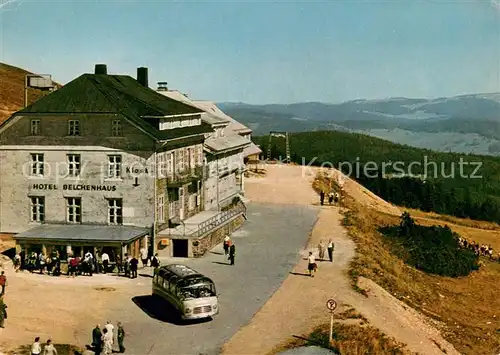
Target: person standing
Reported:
[(22, 256), (226, 244), (144, 256), (111, 328), (155, 261), (105, 262), (98, 262), (232, 250), (322, 197), (17, 262), (49, 348), (97, 340), (36, 347), (133, 267), (331, 246), (120, 334), (311, 264), (3, 312), (126, 264), (89, 262), (330, 198), (107, 341), (3, 282), (321, 250)]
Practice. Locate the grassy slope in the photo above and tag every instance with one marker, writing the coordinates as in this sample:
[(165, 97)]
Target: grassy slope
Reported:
[(465, 308)]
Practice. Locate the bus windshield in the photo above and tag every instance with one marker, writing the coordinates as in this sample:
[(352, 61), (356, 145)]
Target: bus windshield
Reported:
[(198, 291)]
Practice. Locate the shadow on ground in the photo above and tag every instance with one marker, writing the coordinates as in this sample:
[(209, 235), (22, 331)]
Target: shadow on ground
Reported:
[(62, 349), (299, 274), (159, 309), (220, 263), (10, 253)]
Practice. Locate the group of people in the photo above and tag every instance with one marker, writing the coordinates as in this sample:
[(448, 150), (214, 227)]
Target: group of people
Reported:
[(38, 261), (312, 266), (478, 249), (88, 265), (103, 340), (333, 197), (47, 349), (229, 249)]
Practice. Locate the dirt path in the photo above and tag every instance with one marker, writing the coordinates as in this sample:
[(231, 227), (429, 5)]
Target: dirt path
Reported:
[(299, 305)]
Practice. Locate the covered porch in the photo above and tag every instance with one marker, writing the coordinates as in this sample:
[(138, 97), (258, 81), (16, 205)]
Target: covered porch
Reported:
[(77, 239)]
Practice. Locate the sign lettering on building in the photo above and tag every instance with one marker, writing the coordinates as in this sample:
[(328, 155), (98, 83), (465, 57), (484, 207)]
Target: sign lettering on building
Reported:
[(129, 170), (73, 187)]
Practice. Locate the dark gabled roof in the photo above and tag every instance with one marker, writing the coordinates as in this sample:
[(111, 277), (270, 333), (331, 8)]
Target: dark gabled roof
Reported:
[(98, 93), (118, 94)]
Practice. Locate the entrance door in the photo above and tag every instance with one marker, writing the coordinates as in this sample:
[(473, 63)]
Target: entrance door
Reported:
[(180, 248)]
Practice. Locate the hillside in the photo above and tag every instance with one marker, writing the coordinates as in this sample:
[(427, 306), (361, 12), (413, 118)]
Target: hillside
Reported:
[(12, 90), (456, 184), (464, 124)]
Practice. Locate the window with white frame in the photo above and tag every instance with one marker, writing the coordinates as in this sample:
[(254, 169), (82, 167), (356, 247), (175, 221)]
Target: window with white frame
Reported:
[(73, 128), (199, 155), (114, 166), (37, 164), (186, 157), (179, 159), (161, 165), (116, 128), (160, 209), (192, 157), (74, 165), (37, 208), (35, 127), (115, 211), (73, 209), (170, 163)]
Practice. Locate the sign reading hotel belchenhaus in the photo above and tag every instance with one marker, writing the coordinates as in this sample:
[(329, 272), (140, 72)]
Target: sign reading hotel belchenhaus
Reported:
[(73, 187)]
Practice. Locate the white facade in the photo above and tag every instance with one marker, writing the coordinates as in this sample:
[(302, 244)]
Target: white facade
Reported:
[(74, 184), (224, 151)]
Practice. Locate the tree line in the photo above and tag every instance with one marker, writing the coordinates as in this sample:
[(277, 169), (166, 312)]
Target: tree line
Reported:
[(462, 185)]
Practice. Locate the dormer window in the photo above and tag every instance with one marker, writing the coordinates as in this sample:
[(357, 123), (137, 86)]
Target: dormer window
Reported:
[(35, 127), (116, 128), (73, 128)]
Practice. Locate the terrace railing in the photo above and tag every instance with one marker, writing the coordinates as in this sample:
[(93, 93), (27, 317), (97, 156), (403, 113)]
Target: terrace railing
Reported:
[(220, 218)]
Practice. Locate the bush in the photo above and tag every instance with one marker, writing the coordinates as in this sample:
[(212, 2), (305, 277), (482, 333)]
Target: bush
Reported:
[(434, 249)]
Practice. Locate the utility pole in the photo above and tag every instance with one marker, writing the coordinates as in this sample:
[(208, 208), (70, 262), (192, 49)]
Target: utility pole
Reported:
[(272, 134)]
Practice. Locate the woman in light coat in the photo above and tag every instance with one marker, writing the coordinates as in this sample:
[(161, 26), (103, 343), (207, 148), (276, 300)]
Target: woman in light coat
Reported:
[(107, 342)]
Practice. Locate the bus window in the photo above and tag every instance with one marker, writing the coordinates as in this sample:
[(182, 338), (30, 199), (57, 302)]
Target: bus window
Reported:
[(173, 283), (198, 291), (165, 283)]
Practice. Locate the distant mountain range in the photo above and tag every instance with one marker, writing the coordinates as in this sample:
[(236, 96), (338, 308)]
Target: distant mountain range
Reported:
[(464, 124)]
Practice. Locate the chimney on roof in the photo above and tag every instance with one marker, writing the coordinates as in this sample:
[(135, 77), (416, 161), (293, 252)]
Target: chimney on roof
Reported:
[(162, 86), (142, 76), (101, 69)]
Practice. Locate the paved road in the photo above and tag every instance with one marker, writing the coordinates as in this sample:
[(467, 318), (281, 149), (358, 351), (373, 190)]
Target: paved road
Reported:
[(267, 247)]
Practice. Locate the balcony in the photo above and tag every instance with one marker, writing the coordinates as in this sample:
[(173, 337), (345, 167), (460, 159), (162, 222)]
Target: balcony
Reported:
[(179, 178)]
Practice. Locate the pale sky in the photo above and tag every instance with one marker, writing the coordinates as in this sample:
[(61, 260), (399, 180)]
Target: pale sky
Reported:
[(265, 52)]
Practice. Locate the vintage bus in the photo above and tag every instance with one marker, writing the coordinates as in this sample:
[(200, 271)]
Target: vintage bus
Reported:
[(190, 292)]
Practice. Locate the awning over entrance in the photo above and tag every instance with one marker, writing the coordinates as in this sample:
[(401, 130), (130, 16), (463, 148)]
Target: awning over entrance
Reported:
[(83, 233)]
